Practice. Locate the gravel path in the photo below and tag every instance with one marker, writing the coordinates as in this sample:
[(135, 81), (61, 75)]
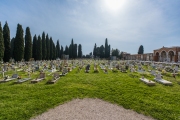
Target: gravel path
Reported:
[(90, 109)]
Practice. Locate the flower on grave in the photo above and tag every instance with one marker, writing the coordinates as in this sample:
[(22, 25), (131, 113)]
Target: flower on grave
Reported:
[(96, 70), (114, 70), (163, 71), (6, 77), (174, 75)]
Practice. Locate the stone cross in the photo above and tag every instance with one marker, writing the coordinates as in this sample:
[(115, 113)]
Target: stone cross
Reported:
[(3, 72), (15, 70), (158, 76), (29, 73)]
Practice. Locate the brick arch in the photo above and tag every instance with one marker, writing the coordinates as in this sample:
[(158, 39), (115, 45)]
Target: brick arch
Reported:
[(163, 56), (171, 56), (157, 52), (163, 51), (170, 51), (156, 56)]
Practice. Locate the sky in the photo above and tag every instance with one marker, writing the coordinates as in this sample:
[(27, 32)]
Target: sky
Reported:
[(126, 24)]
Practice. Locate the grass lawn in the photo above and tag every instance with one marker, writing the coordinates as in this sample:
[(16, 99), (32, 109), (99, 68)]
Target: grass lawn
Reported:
[(26, 100)]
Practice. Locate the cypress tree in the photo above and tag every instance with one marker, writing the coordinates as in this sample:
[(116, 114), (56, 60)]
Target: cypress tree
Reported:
[(54, 51), (141, 50), (70, 51), (98, 51), (51, 48), (95, 50), (106, 48), (79, 51), (109, 50), (19, 44), (47, 47), (66, 50), (102, 51), (57, 49), (7, 44), (75, 50), (34, 53), (72, 48), (28, 45), (39, 48), (44, 50), (1, 43), (62, 51), (12, 47)]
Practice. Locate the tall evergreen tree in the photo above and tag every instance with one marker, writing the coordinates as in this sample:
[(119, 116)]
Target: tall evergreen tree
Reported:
[(12, 47), (19, 44), (72, 48), (141, 50), (109, 50), (70, 51), (95, 50), (62, 51), (66, 52), (54, 51), (106, 48), (102, 51), (28, 45), (75, 50), (44, 48), (79, 51), (39, 48), (98, 51), (47, 47), (7, 44), (34, 53), (57, 49), (51, 48), (115, 52), (1, 43)]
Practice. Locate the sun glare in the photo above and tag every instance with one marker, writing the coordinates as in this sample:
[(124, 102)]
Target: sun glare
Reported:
[(114, 5)]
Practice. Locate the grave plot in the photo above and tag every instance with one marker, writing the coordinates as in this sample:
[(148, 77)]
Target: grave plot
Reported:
[(124, 69), (64, 72), (52, 70), (87, 69), (56, 77), (96, 70), (21, 80), (6, 79), (40, 78), (162, 81), (146, 81), (106, 70)]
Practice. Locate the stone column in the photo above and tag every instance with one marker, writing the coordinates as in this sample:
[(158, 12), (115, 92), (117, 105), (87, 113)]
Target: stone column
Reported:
[(175, 57), (167, 58)]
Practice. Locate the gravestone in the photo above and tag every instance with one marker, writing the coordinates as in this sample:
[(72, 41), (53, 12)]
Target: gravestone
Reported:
[(158, 76)]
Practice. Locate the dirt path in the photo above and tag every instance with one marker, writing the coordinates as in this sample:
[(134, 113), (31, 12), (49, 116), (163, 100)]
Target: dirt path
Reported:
[(90, 109)]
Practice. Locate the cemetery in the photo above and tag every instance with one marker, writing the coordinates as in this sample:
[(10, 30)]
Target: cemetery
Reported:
[(89, 60), (144, 86)]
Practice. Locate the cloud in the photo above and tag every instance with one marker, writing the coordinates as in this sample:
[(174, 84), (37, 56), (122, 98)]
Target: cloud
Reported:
[(150, 23)]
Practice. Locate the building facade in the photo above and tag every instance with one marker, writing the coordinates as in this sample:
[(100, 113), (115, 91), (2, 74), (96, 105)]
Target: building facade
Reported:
[(169, 54), (164, 54), (144, 57)]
